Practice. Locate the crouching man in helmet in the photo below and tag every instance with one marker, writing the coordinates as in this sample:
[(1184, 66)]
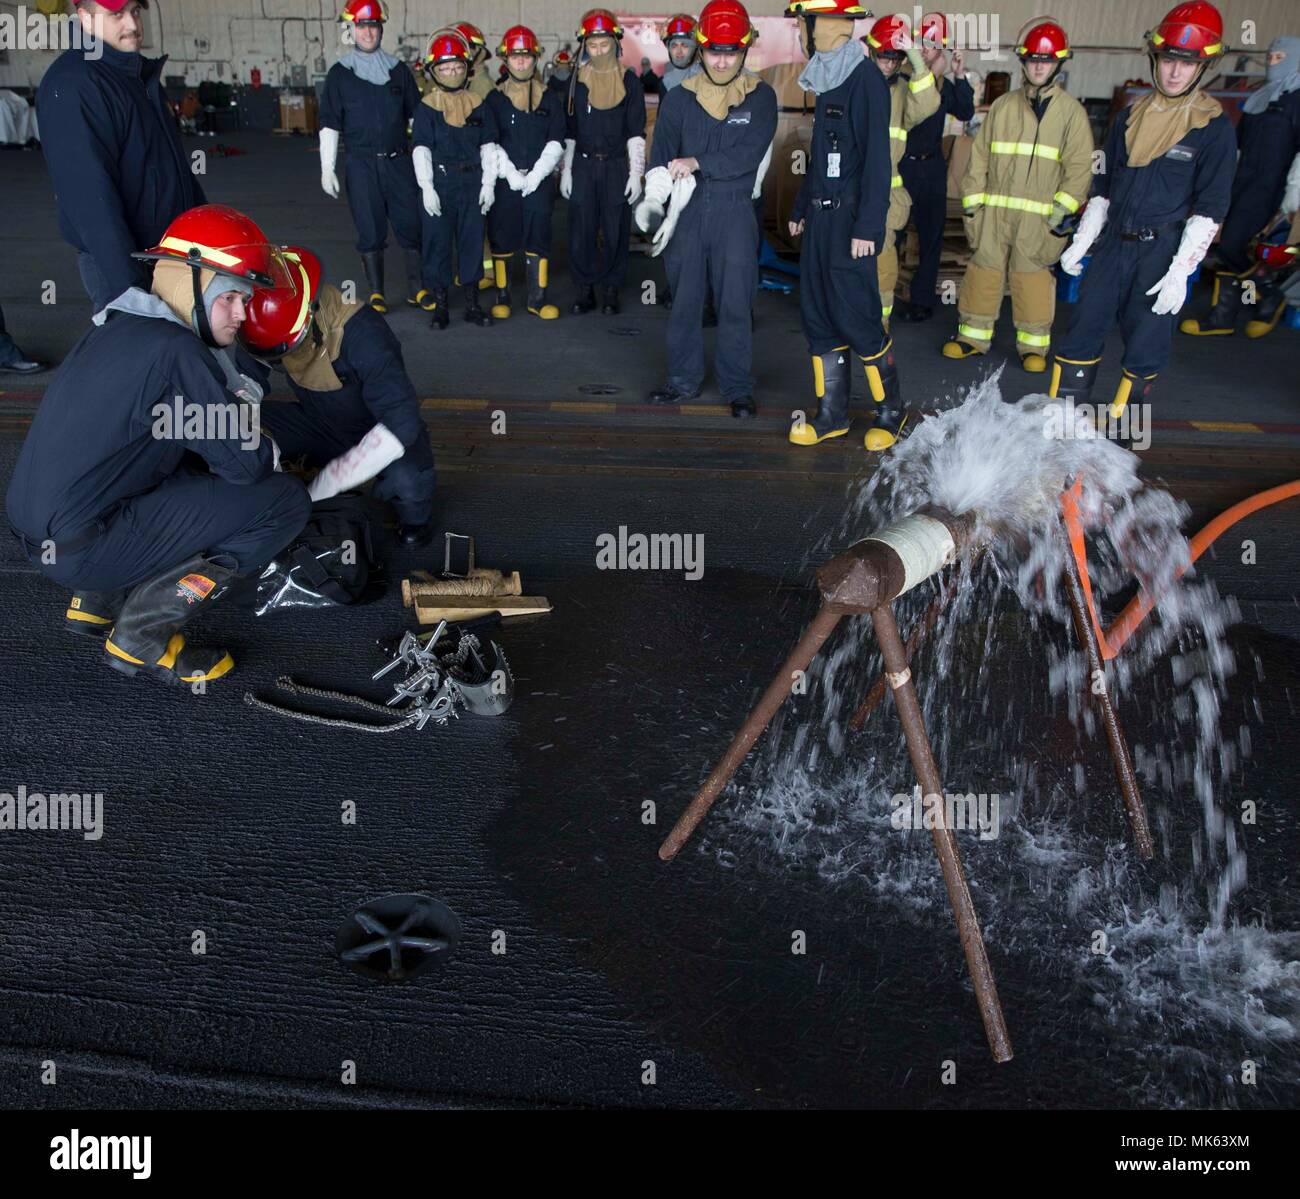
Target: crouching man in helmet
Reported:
[(357, 417), (711, 136), (145, 483), (1154, 211)]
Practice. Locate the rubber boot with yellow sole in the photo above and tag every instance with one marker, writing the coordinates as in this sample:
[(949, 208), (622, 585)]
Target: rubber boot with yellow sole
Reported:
[(501, 277), (887, 392), (417, 295), (1073, 379), (831, 385), (956, 348), (146, 636), (1269, 306), (538, 268), (1225, 307), (91, 614), (1035, 364), (373, 264)]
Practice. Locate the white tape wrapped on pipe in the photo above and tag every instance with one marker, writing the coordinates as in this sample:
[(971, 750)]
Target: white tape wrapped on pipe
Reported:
[(923, 544)]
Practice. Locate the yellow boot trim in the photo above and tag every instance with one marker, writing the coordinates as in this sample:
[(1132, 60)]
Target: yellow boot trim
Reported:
[(548, 312), (500, 312), (1082, 361), (1035, 364), (819, 378), (1055, 385), (875, 382), (1122, 393), (1262, 328), (378, 303), (543, 269), (501, 271), (88, 617), (225, 666), (878, 440), (426, 301), (960, 349), (121, 653), (805, 434)]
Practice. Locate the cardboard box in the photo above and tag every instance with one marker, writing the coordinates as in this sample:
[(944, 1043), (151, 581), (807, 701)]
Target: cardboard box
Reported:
[(297, 112)]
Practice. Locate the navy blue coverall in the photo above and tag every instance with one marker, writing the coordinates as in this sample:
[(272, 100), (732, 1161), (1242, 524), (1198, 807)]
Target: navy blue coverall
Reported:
[(457, 178), (597, 204), (122, 487), (841, 199), (517, 222), (925, 175), (713, 244), (380, 178), (1144, 225), (376, 390), (1269, 142), (120, 173)]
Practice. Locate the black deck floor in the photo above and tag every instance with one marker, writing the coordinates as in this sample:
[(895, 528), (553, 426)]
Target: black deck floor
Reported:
[(221, 818)]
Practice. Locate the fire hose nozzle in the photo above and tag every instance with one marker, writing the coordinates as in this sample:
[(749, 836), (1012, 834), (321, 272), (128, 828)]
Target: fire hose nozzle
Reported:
[(894, 559)]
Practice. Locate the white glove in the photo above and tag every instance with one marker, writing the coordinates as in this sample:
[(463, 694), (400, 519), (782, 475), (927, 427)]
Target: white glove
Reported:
[(509, 172), (635, 168), (275, 453), (422, 157), (547, 161), (683, 190), (361, 463), (566, 175), (487, 156), (658, 187), (762, 172), (329, 155), (1291, 196), (1090, 225), (1171, 291)]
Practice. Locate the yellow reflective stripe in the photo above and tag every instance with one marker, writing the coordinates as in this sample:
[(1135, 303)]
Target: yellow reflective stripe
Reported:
[(1066, 201), (975, 333), (896, 132), (886, 311), (220, 257), (995, 201), (1034, 339), (896, 181), (1028, 149), (1209, 51), (919, 85)]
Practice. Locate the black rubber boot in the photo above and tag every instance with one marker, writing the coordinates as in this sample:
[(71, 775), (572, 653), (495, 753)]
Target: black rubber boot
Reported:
[(887, 392), (586, 301), (831, 384), (374, 268), (501, 279), (1270, 303), (146, 636), (91, 613), (537, 275), (1221, 320), (474, 315), (417, 295), (609, 302), (1072, 380), (441, 317)]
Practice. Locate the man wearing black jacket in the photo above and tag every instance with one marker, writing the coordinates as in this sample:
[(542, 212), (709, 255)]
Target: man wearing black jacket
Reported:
[(114, 152)]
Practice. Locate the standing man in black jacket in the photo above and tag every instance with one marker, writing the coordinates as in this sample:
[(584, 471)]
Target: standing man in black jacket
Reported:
[(924, 168), (120, 173)]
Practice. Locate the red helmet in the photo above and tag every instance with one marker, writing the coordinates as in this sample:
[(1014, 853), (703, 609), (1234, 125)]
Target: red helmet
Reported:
[(519, 39), (890, 34), (562, 58), (364, 12), (447, 45), (474, 36), (278, 319), (724, 26), (598, 22), (680, 25), (1045, 42), (933, 30), (1270, 254), (826, 8), (1193, 31), (215, 238)]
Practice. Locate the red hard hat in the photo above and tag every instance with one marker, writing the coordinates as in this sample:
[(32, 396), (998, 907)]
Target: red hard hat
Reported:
[(216, 238), (447, 45), (1193, 31), (519, 39), (724, 26), (933, 30), (277, 319), (1046, 41), (1271, 254), (115, 6), (680, 25), (598, 22), (364, 12), (890, 34), (826, 8), (471, 33), (562, 58)]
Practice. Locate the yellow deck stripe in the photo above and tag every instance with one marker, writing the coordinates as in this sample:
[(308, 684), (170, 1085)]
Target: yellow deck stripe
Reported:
[(580, 406), (1225, 426)]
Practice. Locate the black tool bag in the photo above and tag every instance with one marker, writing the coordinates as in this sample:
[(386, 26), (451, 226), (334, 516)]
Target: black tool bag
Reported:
[(331, 562)]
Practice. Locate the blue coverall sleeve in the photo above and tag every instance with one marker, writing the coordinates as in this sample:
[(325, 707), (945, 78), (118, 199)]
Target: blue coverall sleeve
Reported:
[(1212, 183), (491, 126), (373, 352), (196, 377), (667, 143), (871, 116), (83, 154), (742, 158), (962, 102), (635, 126), (555, 123), (423, 132)]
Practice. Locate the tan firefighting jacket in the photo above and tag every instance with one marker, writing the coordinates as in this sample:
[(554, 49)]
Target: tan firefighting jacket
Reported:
[(911, 101)]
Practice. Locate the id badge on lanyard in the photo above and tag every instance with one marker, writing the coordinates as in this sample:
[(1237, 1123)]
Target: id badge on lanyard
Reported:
[(832, 166)]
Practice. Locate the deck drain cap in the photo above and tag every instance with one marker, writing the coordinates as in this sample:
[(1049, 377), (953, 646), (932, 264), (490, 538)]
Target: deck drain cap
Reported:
[(397, 937)]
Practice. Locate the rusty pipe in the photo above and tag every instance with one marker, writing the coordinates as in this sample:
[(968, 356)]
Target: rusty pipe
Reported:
[(945, 844), (1125, 775), (777, 691)]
